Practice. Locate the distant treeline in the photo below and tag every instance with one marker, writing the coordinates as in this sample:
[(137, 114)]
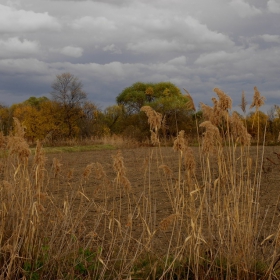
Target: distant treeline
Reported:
[(69, 114)]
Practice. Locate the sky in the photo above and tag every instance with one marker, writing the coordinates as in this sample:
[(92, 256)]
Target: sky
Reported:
[(111, 44)]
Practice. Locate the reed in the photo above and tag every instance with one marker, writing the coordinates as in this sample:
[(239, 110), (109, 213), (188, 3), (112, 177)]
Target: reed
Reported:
[(58, 224)]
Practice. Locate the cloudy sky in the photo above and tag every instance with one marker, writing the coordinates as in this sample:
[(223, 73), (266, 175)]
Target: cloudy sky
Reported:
[(110, 44)]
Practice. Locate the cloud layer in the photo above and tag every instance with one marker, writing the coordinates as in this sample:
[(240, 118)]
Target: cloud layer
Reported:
[(196, 44)]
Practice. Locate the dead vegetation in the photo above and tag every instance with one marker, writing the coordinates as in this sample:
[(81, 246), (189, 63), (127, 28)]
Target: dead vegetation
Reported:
[(192, 213)]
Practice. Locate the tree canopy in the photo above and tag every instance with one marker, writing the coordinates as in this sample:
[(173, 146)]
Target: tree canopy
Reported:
[(140, 94)]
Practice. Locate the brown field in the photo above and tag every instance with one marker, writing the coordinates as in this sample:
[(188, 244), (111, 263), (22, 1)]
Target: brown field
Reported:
[(135, 160), (142, 169), (141, 214)]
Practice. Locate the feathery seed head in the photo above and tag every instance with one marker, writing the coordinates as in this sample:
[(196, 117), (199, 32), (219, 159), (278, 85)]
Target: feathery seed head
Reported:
[(56, 166), (154, 118), (88, 170), (17, 145), (189, 160), (258, 100), (190, 103), (207, 111), (225, 101), (180, 142), (243, 102), (154, 138), (239, 131), (166, 222), (166, 169), (119, 164), (211, 136)]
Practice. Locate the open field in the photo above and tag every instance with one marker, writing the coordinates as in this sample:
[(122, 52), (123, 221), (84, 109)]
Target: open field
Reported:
[(135, 162), (129, 222), (206, 212)]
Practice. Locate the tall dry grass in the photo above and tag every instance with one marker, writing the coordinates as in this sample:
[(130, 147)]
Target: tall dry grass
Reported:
[(54, 227)]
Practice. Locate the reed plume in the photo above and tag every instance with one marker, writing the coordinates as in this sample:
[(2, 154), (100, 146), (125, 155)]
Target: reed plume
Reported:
[(154, 118), (189, 160), (56, 166), (180, 142), (167, 170), (167, 222), (258, 100), (211, 137), (225, 102), (243, 102), (190, 103), (88, 170), (17, 145), (239, 131)]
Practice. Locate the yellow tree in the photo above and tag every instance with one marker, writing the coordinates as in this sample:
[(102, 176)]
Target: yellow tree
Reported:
[(39, 121)]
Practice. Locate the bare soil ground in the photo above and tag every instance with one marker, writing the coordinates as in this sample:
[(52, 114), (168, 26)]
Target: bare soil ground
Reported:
[(136, 160)]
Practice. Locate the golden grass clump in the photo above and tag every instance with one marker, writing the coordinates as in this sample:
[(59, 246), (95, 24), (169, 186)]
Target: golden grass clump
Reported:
[(166, 169), (207, 111), (121, 171), (88, 170), (167, 222), (225, 102), (99, 172), (125, 183), (211, 137), (39, 165), (189, 160), (17, 145), (118, 164), (190, 103), (70, 174), (3, 141), (39, 158), (239, 131), (258, 100), (154, 138), (129, 220), (180, 142), (243, 102), (154, 118), (56, 166)]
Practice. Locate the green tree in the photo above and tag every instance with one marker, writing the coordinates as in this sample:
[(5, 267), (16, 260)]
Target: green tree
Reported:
[(140, 94), (164, 98), (35, 101)]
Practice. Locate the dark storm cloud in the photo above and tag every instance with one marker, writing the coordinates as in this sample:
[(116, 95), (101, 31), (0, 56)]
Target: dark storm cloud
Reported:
[(196, 44)]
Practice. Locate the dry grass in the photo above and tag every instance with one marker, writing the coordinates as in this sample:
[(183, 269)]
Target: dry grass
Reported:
[(214, 231)]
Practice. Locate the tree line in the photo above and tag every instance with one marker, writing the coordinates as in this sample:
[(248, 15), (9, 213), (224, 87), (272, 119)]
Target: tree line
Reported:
[(69, 114)]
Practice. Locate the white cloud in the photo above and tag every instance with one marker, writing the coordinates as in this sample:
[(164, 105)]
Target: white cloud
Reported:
[(244, 9), (12, 20), (197, 44), (270, 38), (112, 49), (273, 6), (14, 47), (177, 35), (202, 33), (213, 58), (181, 60), (72, 51), (23, 66), (98, 23)]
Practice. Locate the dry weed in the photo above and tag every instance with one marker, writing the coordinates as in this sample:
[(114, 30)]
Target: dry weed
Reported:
[(258, 100), (154, 118)]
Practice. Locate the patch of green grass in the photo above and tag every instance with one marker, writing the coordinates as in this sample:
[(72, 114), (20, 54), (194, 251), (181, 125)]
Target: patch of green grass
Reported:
[(73, 149)]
